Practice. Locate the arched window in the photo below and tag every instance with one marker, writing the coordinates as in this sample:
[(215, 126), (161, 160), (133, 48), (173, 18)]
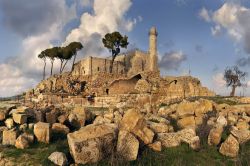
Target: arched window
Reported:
[(98, 68)]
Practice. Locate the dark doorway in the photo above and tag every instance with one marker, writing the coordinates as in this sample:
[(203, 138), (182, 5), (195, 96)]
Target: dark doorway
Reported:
[(107, 91)]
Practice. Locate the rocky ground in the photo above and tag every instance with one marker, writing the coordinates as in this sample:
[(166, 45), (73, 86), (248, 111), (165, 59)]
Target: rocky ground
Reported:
[(195, 131)]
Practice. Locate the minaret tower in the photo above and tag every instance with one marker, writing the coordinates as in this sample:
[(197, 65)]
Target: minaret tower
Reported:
[(153, 60)]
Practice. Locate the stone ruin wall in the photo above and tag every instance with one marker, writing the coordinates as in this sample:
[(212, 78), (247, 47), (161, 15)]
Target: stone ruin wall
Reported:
[(95, 65), (161, 90)]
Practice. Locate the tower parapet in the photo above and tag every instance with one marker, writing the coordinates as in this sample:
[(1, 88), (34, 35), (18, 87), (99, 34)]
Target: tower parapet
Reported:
[(153, 60)]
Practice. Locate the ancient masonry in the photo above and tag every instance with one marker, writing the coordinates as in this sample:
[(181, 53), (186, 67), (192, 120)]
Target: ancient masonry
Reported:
[(135, 76), (128, 63)]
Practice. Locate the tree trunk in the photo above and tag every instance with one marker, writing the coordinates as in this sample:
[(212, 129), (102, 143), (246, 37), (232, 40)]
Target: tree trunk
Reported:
[(73, 63), (233, 90), (64, 65), (44, 67), (111, 64), (51, 71)]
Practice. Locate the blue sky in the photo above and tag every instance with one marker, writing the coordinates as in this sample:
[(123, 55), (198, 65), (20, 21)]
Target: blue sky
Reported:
[(188, 39)]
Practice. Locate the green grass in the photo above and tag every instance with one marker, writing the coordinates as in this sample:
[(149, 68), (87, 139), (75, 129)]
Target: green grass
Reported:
[(176, 156), (37, 153), (180, 156)]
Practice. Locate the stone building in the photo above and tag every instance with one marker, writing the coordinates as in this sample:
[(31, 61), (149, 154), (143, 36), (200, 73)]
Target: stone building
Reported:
[(129, 63)]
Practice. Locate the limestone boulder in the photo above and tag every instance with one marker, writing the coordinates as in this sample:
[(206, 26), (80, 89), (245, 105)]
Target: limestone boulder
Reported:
[(203, 107), (155, 118), (186, 135), (135, 123), (169, 139), (165, 111), (101, 120), (242, 125), (19, 118), (2, 128), (42, 132), (127, 146), (58, 158), (78, 117), (9, 123), (29, 137), (198, 120), (23, 110), (62, 118), (230, 147), (195, 143), (156, 146), (176, 138), (242, 136), (221, 120), (21, 142), (158, 127), (186, 122), (60, 128), (186, 108), (3, 114), (232, 118), (9, 137), (91, 143), (214, 136)]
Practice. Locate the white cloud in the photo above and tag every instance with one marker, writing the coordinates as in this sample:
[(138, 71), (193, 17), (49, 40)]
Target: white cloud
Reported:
[(172, 60), (234, 19), (216, 31), (24, 71), (107, 16), (218, 80), (204, 14)]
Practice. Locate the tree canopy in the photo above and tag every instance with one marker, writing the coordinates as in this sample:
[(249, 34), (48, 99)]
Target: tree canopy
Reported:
[(64, 54), (234, 77), (114, 41)]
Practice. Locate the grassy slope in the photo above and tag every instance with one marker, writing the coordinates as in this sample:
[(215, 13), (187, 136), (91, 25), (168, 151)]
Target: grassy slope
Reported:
[(178, 156)]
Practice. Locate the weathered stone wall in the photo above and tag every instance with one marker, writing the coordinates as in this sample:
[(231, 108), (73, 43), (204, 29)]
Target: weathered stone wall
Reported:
[(124, 86), (95, 65)]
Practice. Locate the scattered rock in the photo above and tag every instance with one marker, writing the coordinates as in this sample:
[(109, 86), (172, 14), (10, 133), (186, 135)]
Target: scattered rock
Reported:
[(222, 121), (127, 146), (242, 125), (214, 136), (185, 108), (42, 132), (19, 118), (9, 123), (230, 147), (21, 142), (62, 119), (169, 139), (158, 127), (134, 122), (186, 122), (156, 146), (91, 143), (60, 128), (58, 158), (9, 137), (195, 143), (241, 135)]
